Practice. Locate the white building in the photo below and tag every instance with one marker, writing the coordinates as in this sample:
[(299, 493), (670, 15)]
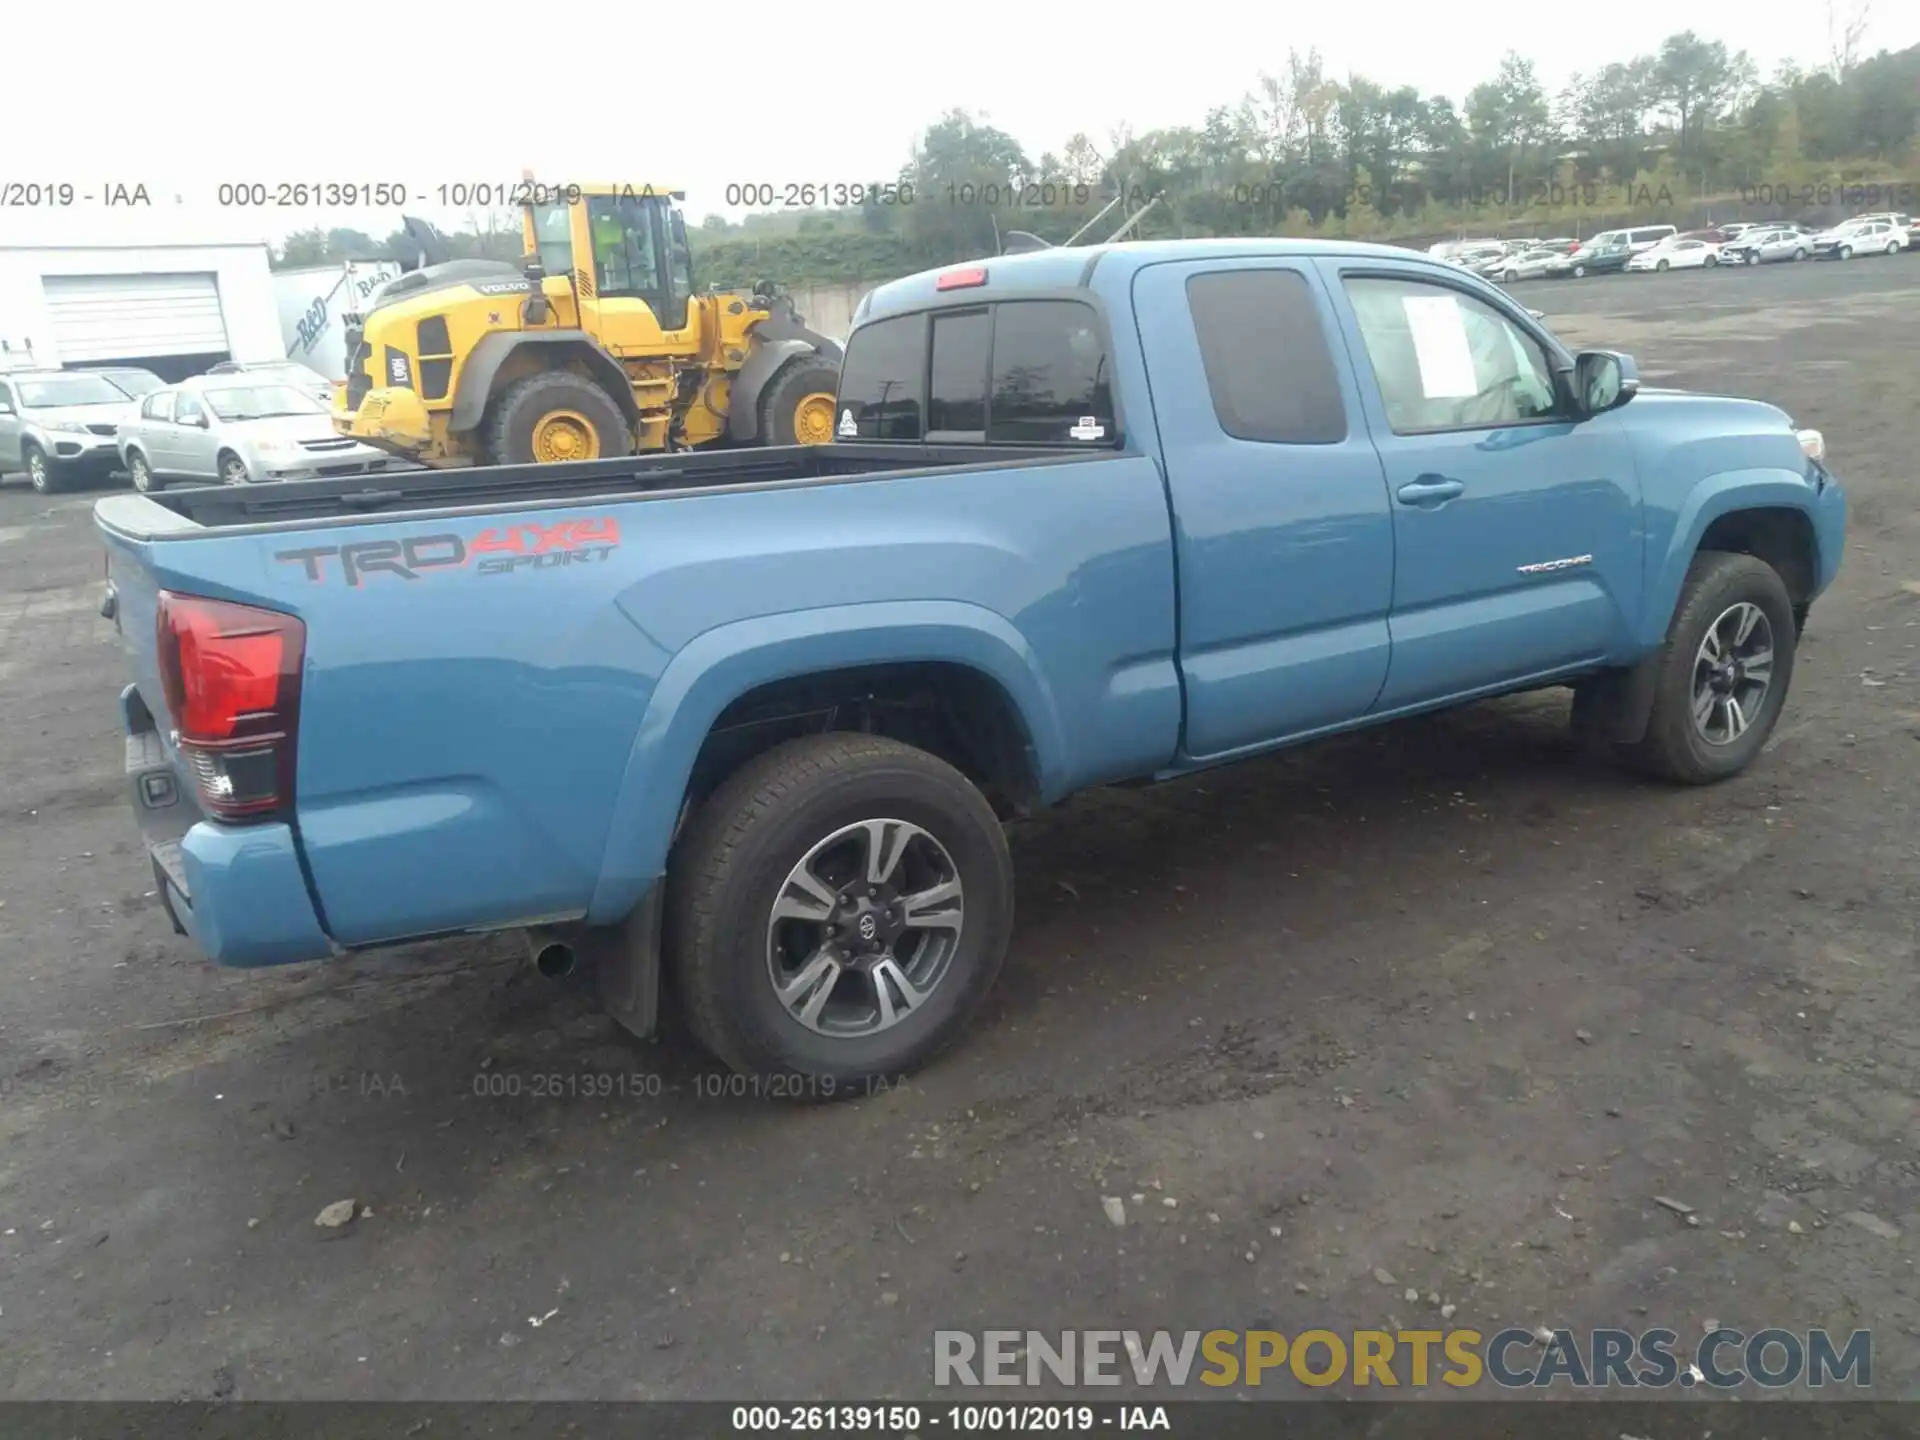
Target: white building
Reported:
[(128, 287)]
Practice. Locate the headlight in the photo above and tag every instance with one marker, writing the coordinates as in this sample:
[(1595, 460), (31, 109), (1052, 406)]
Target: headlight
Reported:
[(273, 447), (66, 427), (1814, 446)]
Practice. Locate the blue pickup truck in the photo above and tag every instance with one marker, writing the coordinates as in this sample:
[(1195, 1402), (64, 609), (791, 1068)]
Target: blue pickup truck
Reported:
[(753, 721)]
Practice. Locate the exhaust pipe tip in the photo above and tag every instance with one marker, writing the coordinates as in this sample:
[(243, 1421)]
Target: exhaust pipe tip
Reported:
[(552, 956)]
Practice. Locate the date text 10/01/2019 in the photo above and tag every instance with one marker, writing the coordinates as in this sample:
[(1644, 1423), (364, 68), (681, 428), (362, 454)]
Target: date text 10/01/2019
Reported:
[(959, 1419)]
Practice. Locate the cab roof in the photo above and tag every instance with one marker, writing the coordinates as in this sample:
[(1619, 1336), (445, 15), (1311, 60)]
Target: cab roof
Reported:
[(1064, 268)]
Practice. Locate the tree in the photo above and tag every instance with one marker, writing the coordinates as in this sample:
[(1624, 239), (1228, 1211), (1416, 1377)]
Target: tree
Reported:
[(1694, 80)]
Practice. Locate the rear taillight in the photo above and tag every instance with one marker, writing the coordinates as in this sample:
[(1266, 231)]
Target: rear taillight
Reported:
[(232, 677)]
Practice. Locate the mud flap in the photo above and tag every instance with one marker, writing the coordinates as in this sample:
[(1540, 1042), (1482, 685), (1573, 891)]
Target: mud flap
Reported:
[(1613, 707), (626, 965)]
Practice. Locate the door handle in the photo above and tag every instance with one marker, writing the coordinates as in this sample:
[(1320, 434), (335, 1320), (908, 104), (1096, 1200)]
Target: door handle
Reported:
[(1430, 490)]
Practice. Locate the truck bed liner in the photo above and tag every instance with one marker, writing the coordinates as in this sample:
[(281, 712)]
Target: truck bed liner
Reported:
[(226, 506)]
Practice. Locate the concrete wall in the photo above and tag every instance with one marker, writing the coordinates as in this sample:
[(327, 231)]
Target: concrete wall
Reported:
[(829, 308), (247, 302)]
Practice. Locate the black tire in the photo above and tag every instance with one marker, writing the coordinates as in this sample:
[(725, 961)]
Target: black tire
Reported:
[(1673, 748), (140, 472), (231, 469), (734, 861), (517, 413), (1579, 271), (47, 475), (1661, 265), (780, 402)]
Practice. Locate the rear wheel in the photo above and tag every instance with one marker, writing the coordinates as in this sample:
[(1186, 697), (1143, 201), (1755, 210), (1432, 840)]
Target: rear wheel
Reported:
[(837, 911), (797, 409), (555, 417), (1723, 673), (42, 473)]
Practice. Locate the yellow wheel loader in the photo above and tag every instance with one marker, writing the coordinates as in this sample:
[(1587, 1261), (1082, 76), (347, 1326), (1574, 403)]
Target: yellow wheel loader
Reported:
[(596, 345)]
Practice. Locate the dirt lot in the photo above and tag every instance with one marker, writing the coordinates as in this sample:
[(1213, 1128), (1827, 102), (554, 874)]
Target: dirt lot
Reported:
[(1437, 1002)]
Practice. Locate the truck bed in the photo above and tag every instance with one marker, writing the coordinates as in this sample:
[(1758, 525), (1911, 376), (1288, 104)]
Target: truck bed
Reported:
[(226, 506)]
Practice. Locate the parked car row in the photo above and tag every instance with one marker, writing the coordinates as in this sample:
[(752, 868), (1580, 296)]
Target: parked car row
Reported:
[(237, 424), (1662, 247)]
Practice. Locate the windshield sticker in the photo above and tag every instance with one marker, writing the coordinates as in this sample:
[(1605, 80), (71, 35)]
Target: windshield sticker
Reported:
[(1440, 346), (847, 427), (1089, 428)]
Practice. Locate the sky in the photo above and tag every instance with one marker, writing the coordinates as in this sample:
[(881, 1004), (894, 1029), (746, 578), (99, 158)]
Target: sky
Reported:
[(201, 94)]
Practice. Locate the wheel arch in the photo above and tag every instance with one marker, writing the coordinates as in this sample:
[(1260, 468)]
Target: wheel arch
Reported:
[(755, 378), (555, 350), (1766, 514), (791, 668)]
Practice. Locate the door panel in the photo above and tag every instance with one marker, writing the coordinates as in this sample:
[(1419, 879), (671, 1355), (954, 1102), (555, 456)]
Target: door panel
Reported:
[(1517, 530), (191, 448), (1284, 543), (9, 431)]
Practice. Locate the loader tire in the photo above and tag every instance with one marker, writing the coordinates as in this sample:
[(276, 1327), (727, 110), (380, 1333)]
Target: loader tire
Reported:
[(797, 409), (555, 417)]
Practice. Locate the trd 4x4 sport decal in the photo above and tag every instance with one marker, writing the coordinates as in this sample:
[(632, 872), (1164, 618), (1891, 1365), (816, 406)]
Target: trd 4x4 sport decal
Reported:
[(508, 551)]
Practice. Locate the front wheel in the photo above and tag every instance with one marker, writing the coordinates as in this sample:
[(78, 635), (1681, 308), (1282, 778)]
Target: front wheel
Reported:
[(554, 417), (1711, 261), (837, 911), (1662, 265), (141, 474), (797, 409), (233, 470), (1579, 272), (42, 473), (1723, 673), (1846, 252)]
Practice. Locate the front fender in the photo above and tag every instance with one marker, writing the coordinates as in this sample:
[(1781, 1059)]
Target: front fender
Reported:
[(743, 406), (724, 663), (474, 388), (1706, 502)]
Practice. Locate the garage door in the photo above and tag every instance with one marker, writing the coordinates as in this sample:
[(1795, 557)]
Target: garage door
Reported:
[(113, 317)]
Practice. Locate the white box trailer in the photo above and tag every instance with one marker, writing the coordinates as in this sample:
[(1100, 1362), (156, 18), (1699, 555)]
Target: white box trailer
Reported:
[(313, 302)]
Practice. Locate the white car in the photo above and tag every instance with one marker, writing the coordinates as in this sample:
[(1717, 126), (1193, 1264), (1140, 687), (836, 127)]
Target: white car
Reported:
[(1677, 255), (1860, 237)]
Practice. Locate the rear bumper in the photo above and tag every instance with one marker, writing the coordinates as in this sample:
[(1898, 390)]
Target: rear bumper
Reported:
[(237, 892)]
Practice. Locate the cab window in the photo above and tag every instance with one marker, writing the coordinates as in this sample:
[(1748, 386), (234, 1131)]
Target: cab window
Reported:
[(553, 239), (626, 257)]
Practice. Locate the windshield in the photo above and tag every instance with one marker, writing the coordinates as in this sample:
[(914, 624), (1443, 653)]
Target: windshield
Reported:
[(260, 402), (289, 371), (135, 383), (70, 390)]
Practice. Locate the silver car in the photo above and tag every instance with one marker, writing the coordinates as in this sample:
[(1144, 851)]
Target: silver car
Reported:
[(1762, 245), (1527, 265), (278, 372), (233, 430), (60, 426)]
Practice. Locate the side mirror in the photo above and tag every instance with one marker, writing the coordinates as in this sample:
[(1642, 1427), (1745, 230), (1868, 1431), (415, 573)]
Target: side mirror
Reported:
[(1604, 380)]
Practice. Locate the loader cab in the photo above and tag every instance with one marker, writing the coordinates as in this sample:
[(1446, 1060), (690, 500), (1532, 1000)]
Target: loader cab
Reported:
[(625, 249)]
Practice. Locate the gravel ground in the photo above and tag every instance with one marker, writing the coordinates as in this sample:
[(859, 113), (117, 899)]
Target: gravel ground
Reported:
[(1437, 1002)]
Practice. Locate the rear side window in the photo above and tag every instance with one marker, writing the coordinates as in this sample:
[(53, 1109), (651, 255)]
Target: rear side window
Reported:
[(1265, 351), (1051, 382), (882, 379)]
